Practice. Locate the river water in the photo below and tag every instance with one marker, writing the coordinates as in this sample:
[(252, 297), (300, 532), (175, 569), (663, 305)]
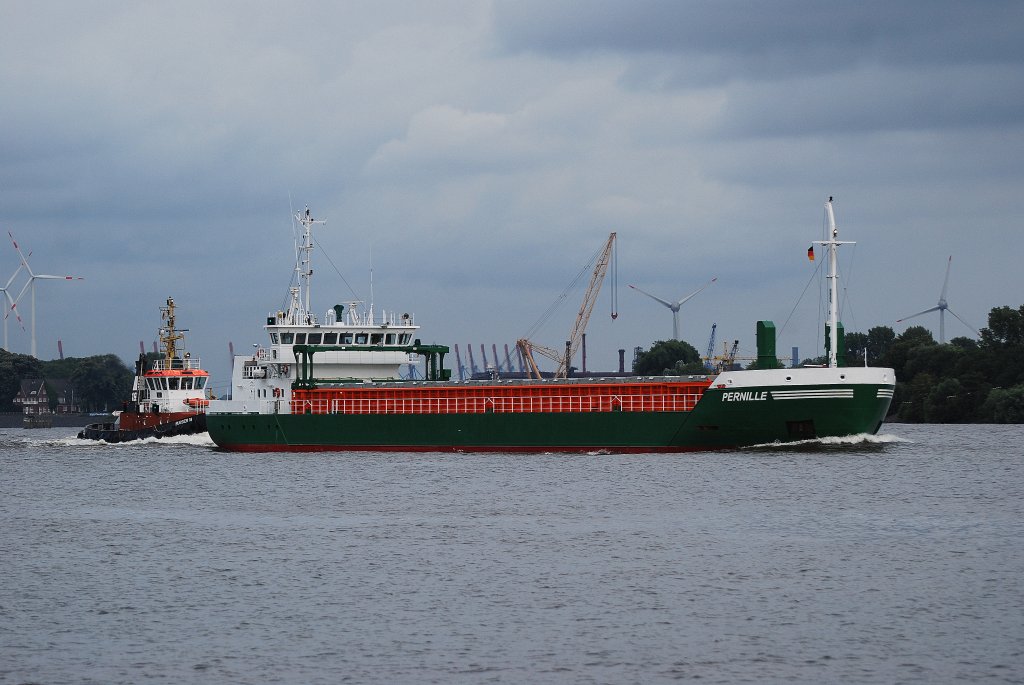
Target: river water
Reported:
[(895, 559)]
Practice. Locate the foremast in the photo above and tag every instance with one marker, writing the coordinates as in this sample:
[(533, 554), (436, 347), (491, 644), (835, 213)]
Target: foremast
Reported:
[(832, 245), (169, 335), (299, 313)]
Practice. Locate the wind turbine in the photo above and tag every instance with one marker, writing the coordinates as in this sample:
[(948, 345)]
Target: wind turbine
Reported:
[(942, 307), (32, 278), (674, 306), (9, 306)]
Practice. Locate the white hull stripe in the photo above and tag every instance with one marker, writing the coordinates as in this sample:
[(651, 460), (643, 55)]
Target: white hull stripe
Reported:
[(827, 393), (885, 392)]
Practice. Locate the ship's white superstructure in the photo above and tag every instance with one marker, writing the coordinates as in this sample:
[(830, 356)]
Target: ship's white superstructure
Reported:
[(261, 381)]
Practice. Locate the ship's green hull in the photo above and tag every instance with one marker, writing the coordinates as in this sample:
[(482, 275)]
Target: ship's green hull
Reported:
[(722, 419)]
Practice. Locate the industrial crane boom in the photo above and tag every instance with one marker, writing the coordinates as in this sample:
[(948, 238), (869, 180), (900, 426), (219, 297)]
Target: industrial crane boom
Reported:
[(587, 307), (527, 348), (564, 361), (708, 360)]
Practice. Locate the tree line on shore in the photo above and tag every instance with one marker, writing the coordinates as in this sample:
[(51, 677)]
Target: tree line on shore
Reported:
[(962, 381), (101, 382)]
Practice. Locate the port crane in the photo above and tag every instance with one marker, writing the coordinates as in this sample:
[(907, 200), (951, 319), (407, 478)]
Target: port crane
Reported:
[(564, 361), (709, 363)]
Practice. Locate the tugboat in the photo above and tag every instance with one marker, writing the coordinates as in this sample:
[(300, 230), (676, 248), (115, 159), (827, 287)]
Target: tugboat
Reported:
[(168, 398)]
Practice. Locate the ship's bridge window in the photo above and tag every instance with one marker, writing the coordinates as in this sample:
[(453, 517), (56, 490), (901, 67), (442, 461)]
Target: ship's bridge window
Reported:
[(406, 337), (300, 338), (273, 338), (163, 383), (313, 339), (174, 383), (389, 339), (377, 339), (200, 382), (346, 338), (152, 383), (287, 338), (360, 338), (186, 383), (330, 338)]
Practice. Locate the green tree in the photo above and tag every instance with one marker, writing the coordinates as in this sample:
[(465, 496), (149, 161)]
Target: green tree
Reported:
[(670, 356), (856, 343), (103, 382), (913, 394), (1004, 405), (898, 352), (1005, 328), (13, 369), (964, 343), (880, 339), (947, 402)]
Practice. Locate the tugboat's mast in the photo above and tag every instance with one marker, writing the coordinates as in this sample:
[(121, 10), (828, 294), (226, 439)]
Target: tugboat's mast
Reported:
[(833, 283), (169, 337)]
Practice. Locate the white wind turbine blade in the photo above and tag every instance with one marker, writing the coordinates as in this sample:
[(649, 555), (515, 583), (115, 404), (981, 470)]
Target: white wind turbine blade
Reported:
[(12, 307), (681, 302), (24, 261), (945, 282), (653, 297), (963, 322), (13, 276), (933, 309), (16, 300), (59, 278)]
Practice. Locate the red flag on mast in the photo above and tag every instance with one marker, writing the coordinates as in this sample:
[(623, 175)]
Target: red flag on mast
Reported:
[(810, 253)]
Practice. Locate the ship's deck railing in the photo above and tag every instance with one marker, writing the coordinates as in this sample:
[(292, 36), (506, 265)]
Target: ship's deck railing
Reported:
[(177, 364), (321, 402)]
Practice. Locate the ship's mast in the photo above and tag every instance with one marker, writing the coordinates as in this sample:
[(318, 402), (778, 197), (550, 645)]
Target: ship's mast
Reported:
[(169, 337), (303, 267), (833, 283)]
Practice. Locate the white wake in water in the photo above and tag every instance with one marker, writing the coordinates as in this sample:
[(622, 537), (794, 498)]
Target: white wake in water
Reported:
[(196, 439), (837, 441)]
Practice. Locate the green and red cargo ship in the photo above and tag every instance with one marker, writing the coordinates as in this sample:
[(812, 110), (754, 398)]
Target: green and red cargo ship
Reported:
[(330, 385)]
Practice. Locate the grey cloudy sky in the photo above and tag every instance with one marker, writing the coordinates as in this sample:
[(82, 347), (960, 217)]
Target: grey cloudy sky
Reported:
[(481, 152)]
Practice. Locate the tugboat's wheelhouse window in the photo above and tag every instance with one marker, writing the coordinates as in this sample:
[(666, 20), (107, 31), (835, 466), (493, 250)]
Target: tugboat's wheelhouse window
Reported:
[(313, 339), (330, 338), (346, 338), (300, 338), (389, 339), (406, 337), (360, 338), (273, 338), (287, 338), (377, 339)]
